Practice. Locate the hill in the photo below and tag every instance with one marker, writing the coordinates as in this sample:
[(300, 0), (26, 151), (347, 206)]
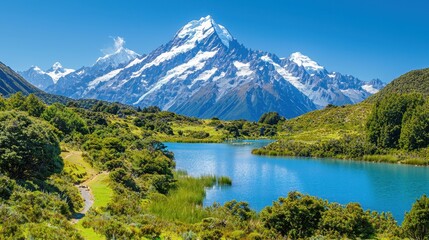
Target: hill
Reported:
[(11, 82), (413, 81), (390, 126)]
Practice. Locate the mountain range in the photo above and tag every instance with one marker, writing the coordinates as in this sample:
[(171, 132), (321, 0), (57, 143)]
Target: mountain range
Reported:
[(205, 72)]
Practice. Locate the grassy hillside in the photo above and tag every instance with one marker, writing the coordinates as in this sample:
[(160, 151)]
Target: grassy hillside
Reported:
[(330, 123), (414, 81), (388, 127)]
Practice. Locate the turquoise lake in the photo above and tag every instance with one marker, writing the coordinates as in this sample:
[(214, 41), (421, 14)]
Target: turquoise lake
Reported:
[(260, 180)]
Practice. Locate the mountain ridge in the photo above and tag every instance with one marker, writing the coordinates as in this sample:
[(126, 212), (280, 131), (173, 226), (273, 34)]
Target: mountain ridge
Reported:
[(204, 65)]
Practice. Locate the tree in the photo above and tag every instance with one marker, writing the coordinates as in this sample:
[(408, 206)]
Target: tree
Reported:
[(16, 102), (349, 221), (385, 122), (2, 103), (64, 119), (416, 222), (34, 106), (296, 216), (415, 129), (28, 147), (271, 118)]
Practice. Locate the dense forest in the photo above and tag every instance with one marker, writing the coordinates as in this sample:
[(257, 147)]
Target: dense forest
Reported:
[(46, 150)]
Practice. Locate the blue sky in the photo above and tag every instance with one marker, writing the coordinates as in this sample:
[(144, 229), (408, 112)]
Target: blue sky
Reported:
[(366, 38)]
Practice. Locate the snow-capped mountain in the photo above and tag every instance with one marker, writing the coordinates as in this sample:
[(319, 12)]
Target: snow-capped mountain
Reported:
[(324, 87), (43, 79), (205, 72), (119, 56)]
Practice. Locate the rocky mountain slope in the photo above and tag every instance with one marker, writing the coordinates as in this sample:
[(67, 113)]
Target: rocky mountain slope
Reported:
[(205, 72)]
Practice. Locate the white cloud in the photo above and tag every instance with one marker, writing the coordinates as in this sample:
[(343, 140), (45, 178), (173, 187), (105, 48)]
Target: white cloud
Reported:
[(118, 43)]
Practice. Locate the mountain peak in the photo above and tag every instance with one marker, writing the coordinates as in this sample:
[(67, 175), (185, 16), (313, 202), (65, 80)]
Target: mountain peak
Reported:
[(119, 55), (306, 62), (196, 30), (57, 71), (37, 69)]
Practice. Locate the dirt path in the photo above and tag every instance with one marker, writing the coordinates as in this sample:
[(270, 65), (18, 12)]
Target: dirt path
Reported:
[(86, 194), (88, 199)]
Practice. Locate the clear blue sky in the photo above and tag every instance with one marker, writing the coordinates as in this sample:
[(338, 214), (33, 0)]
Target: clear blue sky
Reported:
[(365, 38)]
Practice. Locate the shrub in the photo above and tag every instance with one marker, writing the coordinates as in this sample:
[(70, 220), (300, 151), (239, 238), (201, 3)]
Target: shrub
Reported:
[(416, 222), (28, 147)]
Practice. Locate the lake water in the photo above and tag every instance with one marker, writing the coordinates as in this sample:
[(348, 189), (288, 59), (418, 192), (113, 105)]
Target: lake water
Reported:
[(259, 180)]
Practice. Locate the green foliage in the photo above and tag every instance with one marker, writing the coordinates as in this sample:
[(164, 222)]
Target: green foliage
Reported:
[(7, 186), (385, 122), (416, 222), (346, 222), (224, 181), (348, 146), (34, 106), (415, 129), (271, 118), (33, 214), (16, 102), (151, 109), (2, 103), (185, 202), (413, 81), (64, 119), (140, 197), (296, 216), (28, 147), (302, 216), (239, 209)]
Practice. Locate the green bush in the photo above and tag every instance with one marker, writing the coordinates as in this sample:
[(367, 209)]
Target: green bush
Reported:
[(296, 216), (416, 222), (28, 147)]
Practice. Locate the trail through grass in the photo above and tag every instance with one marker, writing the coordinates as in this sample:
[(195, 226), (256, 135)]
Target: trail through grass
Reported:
[(98, 183), (100, 189), (76, 167)]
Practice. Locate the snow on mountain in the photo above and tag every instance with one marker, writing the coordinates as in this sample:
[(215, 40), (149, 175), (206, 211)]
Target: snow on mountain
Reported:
[(243, 69), (197, 30), (120, 55), (180, 72), (373, 86), (204, 72), (43, 79), (304, 61), (57, 71)]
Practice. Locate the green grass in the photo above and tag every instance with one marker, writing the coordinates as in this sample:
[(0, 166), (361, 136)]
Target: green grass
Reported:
[(326, 124), (224, 181), (88, 233), (215, 136), (102, 193), (184, 203), (101, 190), (381, 158), (82, 171), (76, 167)]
